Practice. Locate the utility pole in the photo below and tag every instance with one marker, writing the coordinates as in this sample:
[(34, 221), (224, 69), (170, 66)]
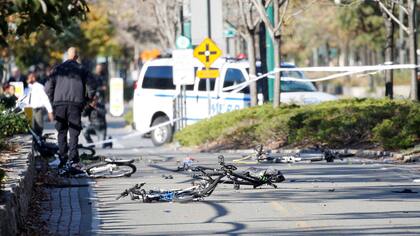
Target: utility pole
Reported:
[(270, 53), (209, 36), (263, 37)]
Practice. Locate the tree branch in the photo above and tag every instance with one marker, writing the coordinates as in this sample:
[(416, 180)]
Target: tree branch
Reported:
[(385, 9), (261, 11), (267, 3), (281, 18), (301, 10)]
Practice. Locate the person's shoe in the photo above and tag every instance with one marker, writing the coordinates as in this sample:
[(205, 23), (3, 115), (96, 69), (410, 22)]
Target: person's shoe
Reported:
[(76, 169), (63, 161), (55, 163)]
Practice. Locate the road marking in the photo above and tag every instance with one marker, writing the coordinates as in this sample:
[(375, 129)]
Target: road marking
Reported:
[(283, 209)]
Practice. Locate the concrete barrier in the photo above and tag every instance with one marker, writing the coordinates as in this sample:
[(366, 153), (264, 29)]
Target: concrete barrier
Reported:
[(16, 192)]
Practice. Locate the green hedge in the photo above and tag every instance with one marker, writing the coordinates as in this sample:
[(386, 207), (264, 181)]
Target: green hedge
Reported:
[(392, 124), (10, 124)]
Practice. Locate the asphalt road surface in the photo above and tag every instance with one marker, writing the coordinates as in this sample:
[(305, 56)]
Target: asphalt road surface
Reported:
[(350, 197)]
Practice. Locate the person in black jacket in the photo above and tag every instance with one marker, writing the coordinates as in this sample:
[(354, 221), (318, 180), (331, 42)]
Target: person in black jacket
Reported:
[(69, 90)]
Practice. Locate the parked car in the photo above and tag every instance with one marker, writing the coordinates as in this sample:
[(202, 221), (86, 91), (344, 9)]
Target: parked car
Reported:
[(154, 93)]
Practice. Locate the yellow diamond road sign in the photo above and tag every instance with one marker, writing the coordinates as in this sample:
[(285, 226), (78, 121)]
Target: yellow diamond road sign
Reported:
[(207, 52)]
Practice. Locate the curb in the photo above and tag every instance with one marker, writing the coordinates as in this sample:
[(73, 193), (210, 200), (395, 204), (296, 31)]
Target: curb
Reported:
[(16, 193)]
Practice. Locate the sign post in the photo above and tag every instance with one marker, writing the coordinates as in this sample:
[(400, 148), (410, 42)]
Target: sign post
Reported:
[(116, 96), (19, 89), (183, 74), (183, 69), (207, 53)]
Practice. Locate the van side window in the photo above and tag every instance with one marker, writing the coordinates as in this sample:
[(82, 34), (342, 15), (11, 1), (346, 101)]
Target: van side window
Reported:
[(189, 87), (158, 77), (234, 77), (202, 84)]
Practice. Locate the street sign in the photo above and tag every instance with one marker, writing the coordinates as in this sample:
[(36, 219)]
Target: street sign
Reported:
[(116, 96), (183, 69), (19, 89), (207, 53), (230, 32), (207, 73)]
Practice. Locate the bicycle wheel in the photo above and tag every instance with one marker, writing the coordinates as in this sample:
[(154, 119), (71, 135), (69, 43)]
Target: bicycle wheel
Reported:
[(110, 170), (86, 153)]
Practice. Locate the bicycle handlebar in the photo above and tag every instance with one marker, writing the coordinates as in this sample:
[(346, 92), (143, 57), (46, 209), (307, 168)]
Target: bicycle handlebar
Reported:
[(126, 192)]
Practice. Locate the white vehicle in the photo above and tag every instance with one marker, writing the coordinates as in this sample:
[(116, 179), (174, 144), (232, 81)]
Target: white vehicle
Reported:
[(154, 93)]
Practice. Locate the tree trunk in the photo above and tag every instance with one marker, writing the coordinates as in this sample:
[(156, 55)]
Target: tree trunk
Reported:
[(413, 48), (252, 65), (401, 38), (389, 53), (277, 78)]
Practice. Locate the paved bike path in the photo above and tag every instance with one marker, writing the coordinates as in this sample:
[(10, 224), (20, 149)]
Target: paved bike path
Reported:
[(68, 208)]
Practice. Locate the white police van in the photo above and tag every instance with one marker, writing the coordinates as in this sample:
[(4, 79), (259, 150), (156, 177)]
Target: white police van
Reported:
[(154, 92)]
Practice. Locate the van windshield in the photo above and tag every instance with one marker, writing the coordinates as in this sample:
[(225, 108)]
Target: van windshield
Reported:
[(293, 86), (158, 77)]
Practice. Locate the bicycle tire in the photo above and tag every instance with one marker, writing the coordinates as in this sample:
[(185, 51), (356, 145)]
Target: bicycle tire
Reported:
[(86, 153), (102, 171)]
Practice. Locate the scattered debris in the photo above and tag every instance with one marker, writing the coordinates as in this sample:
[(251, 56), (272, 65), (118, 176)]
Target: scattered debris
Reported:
[(406, 190), (411, 155), (186, 164), (313, 154), (167, 176)]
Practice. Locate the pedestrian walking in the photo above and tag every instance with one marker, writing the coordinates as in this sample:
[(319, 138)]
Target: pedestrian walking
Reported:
[(97, 121), (101, 82), (69, 88), (37, 99)]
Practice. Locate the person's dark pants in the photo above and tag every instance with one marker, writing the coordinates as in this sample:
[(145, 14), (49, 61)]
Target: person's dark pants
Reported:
[(99, 131), (38, 120), (68, 119), (37, 124)]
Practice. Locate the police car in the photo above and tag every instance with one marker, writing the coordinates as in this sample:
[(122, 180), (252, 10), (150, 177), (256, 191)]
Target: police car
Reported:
[(154, 92)]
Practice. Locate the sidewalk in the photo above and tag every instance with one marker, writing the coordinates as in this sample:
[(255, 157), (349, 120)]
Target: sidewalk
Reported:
[(68, 208)]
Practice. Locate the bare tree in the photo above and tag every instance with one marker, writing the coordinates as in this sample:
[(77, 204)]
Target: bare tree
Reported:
[(147, 23), (274, 29), (168, 19), (250, 22), (409, 8), (389, 6)]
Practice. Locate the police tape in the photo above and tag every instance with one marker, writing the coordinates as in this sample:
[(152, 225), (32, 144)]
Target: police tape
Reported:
[(345, 71), (135, 134), (138, 133)]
